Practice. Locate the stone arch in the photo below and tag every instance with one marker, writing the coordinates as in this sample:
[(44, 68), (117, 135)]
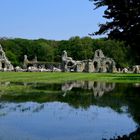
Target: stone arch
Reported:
[(95, 65), (98, 53), (107, 64), (2, 65), (69, 64)]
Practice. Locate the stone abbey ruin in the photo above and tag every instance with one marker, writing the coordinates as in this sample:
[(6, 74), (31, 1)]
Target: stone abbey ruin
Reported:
[(99, 63), (5, 64)]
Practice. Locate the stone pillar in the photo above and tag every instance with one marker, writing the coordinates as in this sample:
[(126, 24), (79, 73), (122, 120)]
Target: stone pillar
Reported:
[(114, 69), (90, 66), (136, 69), (80, 67)]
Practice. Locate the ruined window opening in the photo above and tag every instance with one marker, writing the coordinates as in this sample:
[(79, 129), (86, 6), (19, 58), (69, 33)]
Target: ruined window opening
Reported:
[(3, 65), (70, 64), (95, 65), (107, 66), (98, 53)]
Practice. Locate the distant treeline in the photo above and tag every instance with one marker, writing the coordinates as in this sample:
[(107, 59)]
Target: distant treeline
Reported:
[(76, 47)]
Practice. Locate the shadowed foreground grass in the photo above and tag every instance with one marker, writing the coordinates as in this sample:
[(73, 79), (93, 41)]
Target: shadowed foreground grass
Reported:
[(62, 77)]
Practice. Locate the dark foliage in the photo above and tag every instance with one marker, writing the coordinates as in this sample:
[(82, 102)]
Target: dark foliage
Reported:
[(123, 22)]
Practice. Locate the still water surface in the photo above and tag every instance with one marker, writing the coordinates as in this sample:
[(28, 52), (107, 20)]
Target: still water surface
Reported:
[(83, 110)]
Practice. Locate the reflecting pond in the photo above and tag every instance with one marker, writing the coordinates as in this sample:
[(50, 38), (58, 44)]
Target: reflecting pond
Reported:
[(76, 110)]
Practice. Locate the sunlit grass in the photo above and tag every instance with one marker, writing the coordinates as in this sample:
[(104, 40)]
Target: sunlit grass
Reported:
[(50, 77)]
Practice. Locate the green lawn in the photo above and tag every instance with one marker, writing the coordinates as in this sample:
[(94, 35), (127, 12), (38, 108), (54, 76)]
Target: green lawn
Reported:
[(62, 77)]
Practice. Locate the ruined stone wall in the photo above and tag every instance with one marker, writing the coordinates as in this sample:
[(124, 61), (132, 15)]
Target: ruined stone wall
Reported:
[(5, 64), (100, 63)]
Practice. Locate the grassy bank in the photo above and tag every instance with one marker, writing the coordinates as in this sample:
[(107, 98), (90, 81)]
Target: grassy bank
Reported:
[(62, 77)]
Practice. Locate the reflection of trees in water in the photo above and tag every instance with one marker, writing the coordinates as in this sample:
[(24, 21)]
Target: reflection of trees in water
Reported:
[(6, 108), (132, 136), (77, 94)]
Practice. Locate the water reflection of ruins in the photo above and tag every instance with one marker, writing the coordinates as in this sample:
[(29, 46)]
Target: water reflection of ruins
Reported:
[(98, 88)]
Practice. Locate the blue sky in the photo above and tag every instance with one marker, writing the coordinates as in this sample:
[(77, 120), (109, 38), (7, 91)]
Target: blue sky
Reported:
[(49, 19)]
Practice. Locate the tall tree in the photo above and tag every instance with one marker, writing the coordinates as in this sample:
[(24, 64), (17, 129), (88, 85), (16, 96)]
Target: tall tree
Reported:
[(123, 21)]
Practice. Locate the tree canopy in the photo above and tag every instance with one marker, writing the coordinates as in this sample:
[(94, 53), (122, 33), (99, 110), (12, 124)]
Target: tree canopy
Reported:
[(77, 48), (123, 21)]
